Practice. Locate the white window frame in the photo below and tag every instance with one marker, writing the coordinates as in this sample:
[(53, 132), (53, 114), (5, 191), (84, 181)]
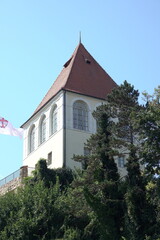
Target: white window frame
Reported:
[(53, 120), (42, 129), (32, 139), (80, 115)]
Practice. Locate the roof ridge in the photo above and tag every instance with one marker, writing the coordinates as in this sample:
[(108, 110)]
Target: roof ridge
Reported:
[(81, 74), (74, 56), (71, 58)]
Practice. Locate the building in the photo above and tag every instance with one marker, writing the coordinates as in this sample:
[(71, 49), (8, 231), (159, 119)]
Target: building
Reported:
[(63, 121)]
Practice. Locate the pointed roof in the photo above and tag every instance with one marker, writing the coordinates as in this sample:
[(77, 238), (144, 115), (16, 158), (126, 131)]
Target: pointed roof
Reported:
[(81, 74)]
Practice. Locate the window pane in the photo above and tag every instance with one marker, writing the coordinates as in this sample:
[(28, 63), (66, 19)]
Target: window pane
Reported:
[(87, 151), (43, 130), (54, 122), (80, 115), (49, 160), (121, 162), (32, 139)]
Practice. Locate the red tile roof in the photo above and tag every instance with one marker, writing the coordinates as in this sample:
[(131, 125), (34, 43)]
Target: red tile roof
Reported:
[(81, 74)]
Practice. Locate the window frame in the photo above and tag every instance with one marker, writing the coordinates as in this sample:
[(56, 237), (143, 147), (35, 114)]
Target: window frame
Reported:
[(80, 115), (121, 162), (32, 138), (53, 120), (42, 130), (49, 159)]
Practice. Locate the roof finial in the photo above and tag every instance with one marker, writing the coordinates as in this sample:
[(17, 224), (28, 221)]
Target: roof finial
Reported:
[(79, 37)]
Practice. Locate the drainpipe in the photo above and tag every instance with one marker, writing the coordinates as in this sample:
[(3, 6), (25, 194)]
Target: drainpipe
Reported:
[(64, 129)]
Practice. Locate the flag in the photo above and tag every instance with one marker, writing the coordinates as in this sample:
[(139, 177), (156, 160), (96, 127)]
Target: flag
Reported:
[(7, 128)]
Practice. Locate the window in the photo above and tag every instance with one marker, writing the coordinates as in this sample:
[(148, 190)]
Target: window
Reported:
[(53, 120), (87, 152), (80, 115), (43, 130), (49, 160), (121, 162), (32, 139)]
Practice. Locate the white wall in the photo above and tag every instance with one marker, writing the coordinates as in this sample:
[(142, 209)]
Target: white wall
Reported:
[(92, 103), (75, 145), (53, 143), (75, 138)]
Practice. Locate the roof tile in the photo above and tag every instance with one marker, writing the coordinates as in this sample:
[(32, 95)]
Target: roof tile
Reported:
[(81, 74)]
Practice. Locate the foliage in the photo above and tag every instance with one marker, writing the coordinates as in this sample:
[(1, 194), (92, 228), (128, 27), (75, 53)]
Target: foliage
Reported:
[(101, 179), (96, 203), (31, 212), (36, 214), (49, 176), (149, 121), (126, 137)]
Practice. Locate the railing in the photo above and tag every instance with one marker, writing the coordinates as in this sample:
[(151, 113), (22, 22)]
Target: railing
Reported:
[(20, 173)]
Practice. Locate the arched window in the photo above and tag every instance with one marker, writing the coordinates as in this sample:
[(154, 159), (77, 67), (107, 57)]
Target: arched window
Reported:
[(32, 139), (80, 115), (43, 130), (53, 120)]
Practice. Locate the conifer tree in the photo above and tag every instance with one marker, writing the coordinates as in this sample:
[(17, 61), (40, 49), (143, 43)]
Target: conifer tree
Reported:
[(102, 181), (123, 102), (149, 122), (149, 131)]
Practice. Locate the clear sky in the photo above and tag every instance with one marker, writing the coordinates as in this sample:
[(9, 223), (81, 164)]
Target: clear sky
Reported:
[(38, 36)]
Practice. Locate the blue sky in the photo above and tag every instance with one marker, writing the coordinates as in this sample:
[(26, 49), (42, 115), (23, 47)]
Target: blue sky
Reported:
[(38, 36)]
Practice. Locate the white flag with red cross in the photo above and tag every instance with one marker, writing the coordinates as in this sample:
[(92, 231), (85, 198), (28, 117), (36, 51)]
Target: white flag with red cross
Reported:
[(7, 128)]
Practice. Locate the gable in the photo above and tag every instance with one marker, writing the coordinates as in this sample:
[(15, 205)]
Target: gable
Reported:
[(83, 75)]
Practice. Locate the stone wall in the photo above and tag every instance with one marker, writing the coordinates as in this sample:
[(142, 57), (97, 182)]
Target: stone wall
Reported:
[(15, 183), (10, 186)]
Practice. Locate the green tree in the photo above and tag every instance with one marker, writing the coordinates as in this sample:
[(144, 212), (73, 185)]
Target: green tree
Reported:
[(49, 176), (37, 216), (149, 122), (102, 189), (9, 207), (149, 125), (31, 212), (125, 108)]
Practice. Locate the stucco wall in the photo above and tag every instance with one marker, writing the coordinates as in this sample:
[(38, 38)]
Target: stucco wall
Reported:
[(76, 138), (53, 143), (92, 104), (66, 135)]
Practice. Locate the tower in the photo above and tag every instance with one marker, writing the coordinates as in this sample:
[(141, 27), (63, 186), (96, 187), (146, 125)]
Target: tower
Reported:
[(63, 120)]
